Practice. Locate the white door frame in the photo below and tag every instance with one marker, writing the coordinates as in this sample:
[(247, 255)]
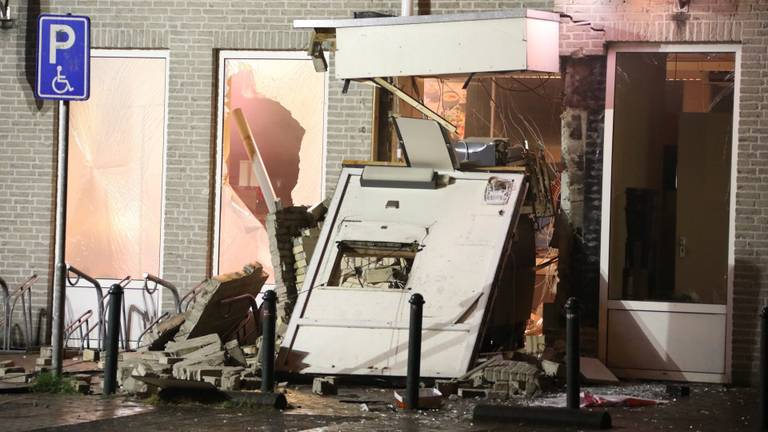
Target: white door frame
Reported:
[(136, 282), (225, 55), (605, 218)]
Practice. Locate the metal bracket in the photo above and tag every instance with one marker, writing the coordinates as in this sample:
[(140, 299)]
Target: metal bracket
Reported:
[(6, 22), (316, 49)]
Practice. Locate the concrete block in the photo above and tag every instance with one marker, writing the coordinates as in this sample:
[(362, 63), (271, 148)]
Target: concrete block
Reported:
[(11, 370), (231, 383), (83, 377), (134, 386), (235, 352), (43, 361), (216, 381), (469, 393), (91, 355), (250, 383), (180, 349), (170, 360), (447, 387), (324, 386), (46, 351), (15, 377), (552, 369), (83, 387), (498, 395), (501, 387)]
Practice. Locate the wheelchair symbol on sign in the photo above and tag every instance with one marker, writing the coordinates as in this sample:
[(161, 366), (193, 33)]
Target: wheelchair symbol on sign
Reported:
[(61, 81)]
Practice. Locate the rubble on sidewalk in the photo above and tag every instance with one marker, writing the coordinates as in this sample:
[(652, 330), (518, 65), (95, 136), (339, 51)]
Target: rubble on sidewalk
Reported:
[(324, 386), (202, 344), (510, 377), (207, 315), (10, 373)]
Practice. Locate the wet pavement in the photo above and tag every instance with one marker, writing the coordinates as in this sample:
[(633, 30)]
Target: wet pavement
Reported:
[(708, 408)]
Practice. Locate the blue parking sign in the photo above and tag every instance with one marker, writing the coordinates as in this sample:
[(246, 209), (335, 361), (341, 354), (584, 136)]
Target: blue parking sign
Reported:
[(63, 57)]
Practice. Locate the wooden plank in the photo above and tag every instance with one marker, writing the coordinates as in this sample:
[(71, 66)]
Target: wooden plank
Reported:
[(257, 164)]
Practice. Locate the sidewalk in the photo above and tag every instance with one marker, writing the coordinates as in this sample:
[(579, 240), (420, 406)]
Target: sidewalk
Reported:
[(708, 408)]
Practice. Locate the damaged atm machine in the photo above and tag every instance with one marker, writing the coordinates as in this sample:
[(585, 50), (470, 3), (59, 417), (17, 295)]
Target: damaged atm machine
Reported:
[(453, 232)]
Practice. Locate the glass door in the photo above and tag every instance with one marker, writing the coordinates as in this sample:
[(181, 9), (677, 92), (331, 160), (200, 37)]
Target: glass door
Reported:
[(669, 140)]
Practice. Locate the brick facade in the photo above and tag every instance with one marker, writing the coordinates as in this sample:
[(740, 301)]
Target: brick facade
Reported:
[(193, 31)]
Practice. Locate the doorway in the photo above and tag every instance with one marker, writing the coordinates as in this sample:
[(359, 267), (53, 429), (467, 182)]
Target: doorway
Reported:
[(668, 211)]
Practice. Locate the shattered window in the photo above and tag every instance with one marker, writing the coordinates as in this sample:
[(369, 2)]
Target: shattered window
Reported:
[(283, 101), (114, 187), (373, 265)]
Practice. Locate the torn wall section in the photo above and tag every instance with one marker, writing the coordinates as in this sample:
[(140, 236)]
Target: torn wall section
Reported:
[(293, 233), (579, 223)]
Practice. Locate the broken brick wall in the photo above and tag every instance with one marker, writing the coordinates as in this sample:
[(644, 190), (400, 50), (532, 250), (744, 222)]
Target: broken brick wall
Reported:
[(283, 226), (582, 144), (579, 222)]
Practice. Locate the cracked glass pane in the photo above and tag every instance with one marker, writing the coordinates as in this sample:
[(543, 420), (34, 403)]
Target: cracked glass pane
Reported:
[(116, 142), (283, 101)]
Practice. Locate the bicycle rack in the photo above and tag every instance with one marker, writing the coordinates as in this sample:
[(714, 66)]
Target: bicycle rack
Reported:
[(23, 292), (6, 324), (191, 297), (78, 325), (165, 284), (101, 332), (150, 326), (101, 302)]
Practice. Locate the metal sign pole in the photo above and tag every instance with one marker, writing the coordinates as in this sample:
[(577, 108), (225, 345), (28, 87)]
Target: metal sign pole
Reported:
[(60, 271)]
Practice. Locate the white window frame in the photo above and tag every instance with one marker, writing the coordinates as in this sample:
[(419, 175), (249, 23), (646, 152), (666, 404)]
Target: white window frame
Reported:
[(137, 281), (225, 55), (605, 223)]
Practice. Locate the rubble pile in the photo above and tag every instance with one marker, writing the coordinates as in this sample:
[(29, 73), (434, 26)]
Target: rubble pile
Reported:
[(216, 340), (227, 366), (510, 378), (10, 373), (204, 342), (207, 314)]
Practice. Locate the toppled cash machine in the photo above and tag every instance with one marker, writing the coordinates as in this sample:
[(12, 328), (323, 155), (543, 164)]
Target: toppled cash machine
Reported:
[(427, 227)]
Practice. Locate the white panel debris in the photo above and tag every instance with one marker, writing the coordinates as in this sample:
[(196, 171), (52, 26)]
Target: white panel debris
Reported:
[(381, 244)]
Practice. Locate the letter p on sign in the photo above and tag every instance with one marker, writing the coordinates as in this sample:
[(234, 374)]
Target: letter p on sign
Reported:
[(55, 44)]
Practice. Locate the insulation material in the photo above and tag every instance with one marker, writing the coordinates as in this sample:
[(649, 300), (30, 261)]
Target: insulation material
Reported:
[(287, 126), (114, 195)]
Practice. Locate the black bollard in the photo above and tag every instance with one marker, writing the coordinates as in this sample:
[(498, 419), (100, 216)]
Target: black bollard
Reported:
[(572, 356), (113, 339), (764, 369), (268, 318), (414, 352)]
